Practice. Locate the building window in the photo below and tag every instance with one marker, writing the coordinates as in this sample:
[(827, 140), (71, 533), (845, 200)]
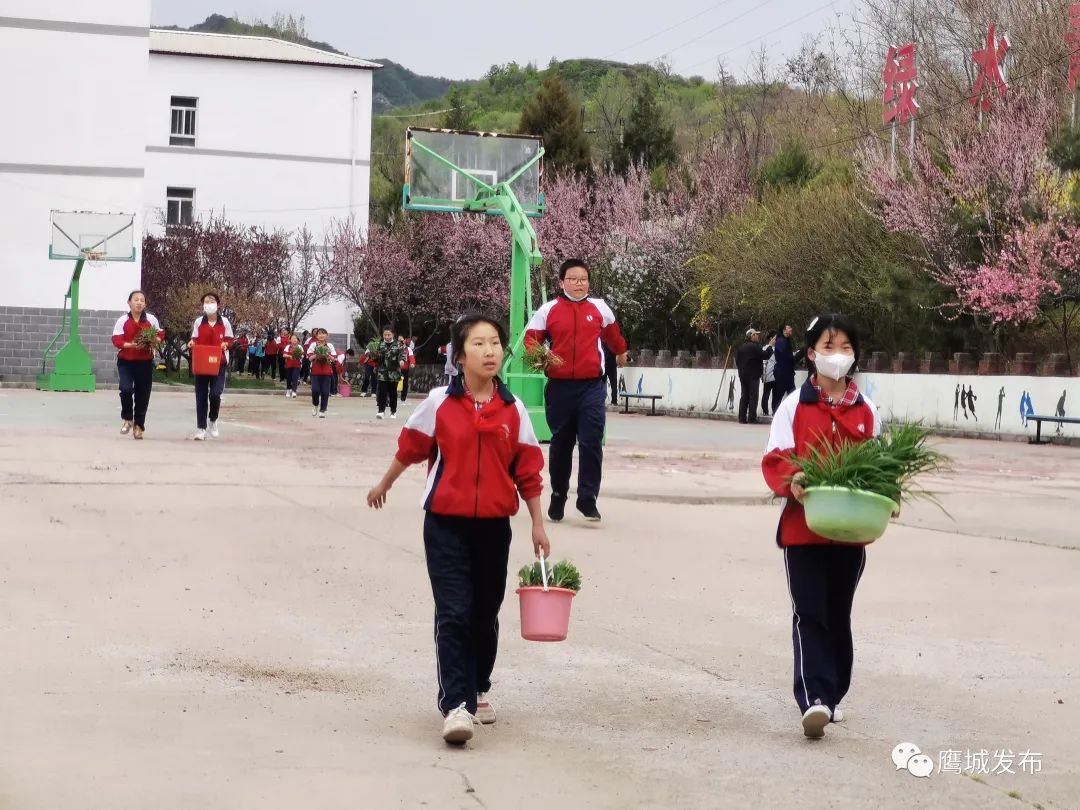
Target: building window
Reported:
[(180, 208), (183, 121)]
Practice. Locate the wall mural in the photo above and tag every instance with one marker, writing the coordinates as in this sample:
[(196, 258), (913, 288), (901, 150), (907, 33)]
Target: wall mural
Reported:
[(937, 400)]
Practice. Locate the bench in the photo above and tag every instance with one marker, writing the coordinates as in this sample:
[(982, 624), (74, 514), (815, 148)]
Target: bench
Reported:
[(1038, 420), (627, 397)]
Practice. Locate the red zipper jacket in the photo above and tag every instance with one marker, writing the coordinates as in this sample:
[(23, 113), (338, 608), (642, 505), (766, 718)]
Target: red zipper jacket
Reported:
[(205, 334), (127, 329), (322, 369), (479, 461), (290, 362), (803, 421), (576, 330), (273, 346)]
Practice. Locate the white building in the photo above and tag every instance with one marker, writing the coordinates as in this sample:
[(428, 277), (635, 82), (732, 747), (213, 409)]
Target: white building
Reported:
[(263, 131), (103, 114)]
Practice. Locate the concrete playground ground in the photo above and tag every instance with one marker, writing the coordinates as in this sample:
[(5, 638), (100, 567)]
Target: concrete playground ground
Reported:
[(226, 625)]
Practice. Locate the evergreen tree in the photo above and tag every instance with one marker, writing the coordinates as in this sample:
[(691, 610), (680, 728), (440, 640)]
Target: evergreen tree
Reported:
[(461, 110), (555, 116), (647, 138)]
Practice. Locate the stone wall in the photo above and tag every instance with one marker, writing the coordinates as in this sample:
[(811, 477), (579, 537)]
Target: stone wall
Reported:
[(26, 331)]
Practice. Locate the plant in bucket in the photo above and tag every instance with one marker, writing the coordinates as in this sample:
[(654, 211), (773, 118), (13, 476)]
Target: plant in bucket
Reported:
[(854, 489), (545, 597)]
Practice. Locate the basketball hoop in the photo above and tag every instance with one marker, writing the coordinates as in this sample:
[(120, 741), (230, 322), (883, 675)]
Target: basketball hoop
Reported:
[(95, 258)]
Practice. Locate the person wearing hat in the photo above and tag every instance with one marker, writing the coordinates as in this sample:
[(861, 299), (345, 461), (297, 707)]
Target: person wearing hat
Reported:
[(750, 362)]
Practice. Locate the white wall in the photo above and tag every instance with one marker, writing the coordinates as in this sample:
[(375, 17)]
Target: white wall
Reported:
[(264, 108), (928, 398), (72, 109)]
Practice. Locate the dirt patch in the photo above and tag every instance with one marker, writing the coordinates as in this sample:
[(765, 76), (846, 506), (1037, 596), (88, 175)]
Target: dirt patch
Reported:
[(286, 680)]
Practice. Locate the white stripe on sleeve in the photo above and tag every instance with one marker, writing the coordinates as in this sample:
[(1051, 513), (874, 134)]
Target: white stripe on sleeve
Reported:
[(119, 328), (422, 419), (526, 434), (782, 432), (153, 321), (228, 326), (195, 328), (607, 317), (539, 318), (877, 416)]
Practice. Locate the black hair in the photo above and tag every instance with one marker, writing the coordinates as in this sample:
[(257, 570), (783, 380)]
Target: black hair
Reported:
[(460, 331), (388, 328), (350, 352), (214, 295), (771, 335), (134, 293), (832, 323), (569, 265), (323, 331)]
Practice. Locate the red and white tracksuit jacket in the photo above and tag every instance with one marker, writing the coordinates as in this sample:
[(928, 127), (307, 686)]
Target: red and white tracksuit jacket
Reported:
[(127, 329), (290, 361), (322, 369), (205, 334), (804, 420), (576, 330), (479, 461)]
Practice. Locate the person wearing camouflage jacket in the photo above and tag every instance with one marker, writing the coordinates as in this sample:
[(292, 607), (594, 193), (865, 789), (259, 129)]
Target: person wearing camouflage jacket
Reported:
[(390, 356)]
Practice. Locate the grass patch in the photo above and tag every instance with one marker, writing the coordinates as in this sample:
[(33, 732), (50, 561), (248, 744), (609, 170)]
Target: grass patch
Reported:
[(234, 381)]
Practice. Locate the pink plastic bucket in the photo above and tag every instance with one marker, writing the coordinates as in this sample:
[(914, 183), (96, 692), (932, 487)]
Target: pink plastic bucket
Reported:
[(344, 389), (545, 615)]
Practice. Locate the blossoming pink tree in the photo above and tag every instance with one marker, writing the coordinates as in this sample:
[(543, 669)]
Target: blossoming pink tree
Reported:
[(992, 214)]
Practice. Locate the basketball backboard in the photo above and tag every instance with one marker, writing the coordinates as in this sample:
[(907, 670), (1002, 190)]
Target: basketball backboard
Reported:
[(432, 184), (91, 235)]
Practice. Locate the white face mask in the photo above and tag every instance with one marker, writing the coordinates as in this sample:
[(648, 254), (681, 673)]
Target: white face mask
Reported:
[(210, 309), (834, 366)]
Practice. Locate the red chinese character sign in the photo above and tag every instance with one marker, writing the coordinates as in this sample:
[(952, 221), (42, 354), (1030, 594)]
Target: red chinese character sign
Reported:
[(989, 62), (899, 76), (1073, 40)]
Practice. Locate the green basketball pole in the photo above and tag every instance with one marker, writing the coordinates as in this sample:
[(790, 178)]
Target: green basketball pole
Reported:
[(73, 367), (524, 382)]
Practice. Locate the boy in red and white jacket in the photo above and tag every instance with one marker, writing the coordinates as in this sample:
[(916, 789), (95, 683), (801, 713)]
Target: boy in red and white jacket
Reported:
[(212, 329), (577, 327), (482, 454), (135, 364), (323, 370), (822, 575)]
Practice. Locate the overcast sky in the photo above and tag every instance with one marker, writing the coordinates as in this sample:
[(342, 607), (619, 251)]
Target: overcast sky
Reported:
[(461, 40)]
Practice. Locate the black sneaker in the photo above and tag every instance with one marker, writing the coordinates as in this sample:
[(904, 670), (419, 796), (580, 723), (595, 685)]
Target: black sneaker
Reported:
[(557, 509), (588, 509)]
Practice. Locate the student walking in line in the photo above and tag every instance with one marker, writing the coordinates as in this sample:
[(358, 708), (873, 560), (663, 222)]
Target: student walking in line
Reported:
[(258, 358), (270, 355), (370, 383), (822, 575), (576, 326), (212, 329), (390, 357), (339, 369), (410, 364), (240, 352), (294, 358), (305, 366), (323, 358), (135, 364), (282, 344), (482, 456)]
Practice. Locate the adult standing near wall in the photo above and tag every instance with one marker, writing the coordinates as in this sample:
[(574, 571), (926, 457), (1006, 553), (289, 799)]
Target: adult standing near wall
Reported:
[(135, 363), (784, 368), (750, 362), (577, 327)]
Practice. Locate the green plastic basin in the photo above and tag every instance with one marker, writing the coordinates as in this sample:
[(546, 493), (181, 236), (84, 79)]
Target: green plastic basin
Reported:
[(847, 515)]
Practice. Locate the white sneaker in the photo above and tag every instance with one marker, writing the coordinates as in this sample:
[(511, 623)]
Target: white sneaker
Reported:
[(379, 415), (199, 436), (288, 393), (315, 410), (814, 721), (125, 428), (485, 712), (837, 715), (393, 416), (322, 414), (458, 726), (214, 432)]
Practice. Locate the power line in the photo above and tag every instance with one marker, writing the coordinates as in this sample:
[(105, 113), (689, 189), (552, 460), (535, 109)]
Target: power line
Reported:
[(766, 34), (669, 28), (417, 115), (724, 24)]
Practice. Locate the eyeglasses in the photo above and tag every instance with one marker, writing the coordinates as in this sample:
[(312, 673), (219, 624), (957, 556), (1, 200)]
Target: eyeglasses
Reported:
[(578, 280)]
